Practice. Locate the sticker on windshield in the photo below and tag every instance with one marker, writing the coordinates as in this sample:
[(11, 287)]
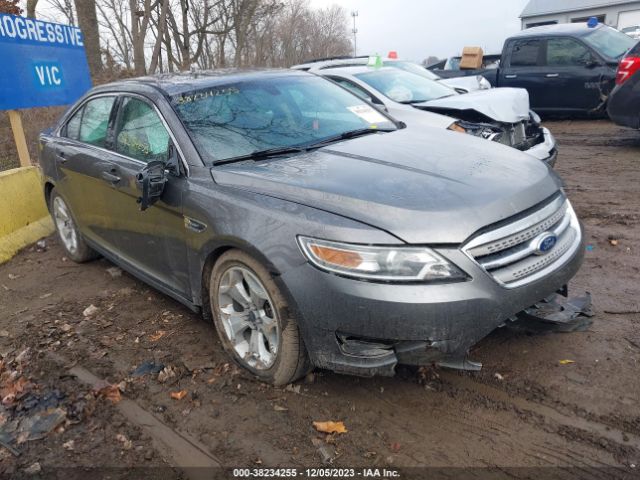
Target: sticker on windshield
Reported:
[(368, 114)]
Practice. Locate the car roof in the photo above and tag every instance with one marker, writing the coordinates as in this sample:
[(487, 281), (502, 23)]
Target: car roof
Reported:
[(564, 29), (176, 83), (325, 63), (354, 69)]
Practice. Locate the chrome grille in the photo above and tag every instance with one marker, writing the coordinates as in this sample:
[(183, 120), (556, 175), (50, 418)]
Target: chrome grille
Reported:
[(511, 253)]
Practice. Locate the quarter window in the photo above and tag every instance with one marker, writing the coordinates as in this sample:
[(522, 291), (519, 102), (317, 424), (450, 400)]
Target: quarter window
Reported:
[(566, 52), (525, 53), (141, 133)]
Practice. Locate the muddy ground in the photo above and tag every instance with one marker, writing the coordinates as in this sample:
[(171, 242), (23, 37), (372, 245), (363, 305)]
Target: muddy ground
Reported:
[(526, 415)]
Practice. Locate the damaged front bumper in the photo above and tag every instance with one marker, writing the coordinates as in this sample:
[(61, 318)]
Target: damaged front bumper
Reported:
[(547, 151), (365, 328)]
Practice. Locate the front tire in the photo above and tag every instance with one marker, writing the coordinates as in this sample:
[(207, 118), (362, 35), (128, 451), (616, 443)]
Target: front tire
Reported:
[(253, 320), (70, 238)]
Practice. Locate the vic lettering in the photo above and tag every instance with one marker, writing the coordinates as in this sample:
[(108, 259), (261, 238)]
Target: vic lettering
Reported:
[(48, 75)]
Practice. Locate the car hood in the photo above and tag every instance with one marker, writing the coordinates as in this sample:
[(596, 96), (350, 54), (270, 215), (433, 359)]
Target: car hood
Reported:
[(433, 187), (508, 105)]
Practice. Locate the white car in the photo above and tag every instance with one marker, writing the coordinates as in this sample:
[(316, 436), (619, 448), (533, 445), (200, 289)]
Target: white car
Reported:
[(460, 84), (500, 114), (633, 31)]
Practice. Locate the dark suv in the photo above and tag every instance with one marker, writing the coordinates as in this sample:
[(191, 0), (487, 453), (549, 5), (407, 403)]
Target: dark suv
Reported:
[(313, 228), (624, 101)]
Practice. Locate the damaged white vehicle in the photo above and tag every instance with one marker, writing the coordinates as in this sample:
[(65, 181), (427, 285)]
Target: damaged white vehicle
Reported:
[(501, 115)]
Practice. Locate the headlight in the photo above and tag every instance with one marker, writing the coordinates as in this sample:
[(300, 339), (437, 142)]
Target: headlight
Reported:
[(392, 264), (483, 83), (535, 118), (482, 130)]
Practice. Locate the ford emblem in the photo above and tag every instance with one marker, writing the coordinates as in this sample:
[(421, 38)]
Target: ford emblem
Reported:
[(544, 243)]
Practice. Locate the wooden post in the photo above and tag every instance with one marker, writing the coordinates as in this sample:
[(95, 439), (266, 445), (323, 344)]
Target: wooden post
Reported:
[(18, 135)]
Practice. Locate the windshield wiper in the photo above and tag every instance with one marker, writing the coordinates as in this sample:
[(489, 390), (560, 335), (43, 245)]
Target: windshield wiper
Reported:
[(347, 135), (262, 154), (274, 152)]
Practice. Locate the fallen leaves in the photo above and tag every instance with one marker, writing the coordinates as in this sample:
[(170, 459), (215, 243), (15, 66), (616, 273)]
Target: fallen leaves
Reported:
[(566, 362), (13, 388), (178, 395), (157, 335), (108, 391), (330, 427)]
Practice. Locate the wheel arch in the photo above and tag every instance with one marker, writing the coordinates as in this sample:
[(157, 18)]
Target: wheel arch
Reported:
[(214, 252), (48, 188)]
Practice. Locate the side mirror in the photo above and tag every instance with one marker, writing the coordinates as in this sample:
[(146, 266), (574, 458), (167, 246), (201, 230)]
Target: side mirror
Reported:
[(151, 181), (591, 63)]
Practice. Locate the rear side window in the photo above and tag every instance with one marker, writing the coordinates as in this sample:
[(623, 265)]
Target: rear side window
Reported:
[(141, 134), (90, 123), (525, 53), (567, 52)]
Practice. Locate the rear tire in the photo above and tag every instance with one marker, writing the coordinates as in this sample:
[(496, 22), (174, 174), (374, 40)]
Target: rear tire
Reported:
[(70, 237), (254, 322)]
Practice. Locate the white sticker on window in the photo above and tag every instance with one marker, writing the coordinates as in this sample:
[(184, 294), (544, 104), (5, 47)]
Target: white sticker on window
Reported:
[(368, 114)]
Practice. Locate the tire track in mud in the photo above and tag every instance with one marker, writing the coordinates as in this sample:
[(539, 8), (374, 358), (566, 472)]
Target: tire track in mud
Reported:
[(440, 428), (568, 425)]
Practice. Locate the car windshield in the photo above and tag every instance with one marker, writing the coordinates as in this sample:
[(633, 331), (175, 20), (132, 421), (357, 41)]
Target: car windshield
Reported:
[(610, 42), (272, 112), (413, 68), (405, 87)]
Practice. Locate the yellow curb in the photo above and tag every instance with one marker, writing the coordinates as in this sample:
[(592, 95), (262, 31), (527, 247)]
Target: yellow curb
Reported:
[(24, 217), (16, 241)]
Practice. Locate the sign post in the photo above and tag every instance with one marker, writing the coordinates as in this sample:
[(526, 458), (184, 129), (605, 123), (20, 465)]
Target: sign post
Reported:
[(18, 135), (44, 64)]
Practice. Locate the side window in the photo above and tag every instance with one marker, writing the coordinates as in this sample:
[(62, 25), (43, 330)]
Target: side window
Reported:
[(355, 89), (141, 133), (566, 52), (525, 53), (94, 121), (72, 130)]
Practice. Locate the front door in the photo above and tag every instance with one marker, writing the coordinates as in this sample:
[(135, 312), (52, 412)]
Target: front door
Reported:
[(573, 74), (152, 241)]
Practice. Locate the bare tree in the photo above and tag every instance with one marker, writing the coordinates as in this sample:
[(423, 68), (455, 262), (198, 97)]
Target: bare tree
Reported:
[(31, 8), (65, 9), (88, 22)]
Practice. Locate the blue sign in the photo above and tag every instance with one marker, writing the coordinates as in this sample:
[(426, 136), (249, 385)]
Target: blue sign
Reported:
[(42, 64)]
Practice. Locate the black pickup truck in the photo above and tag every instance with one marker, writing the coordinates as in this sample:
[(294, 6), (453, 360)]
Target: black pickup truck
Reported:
[(568, 69)]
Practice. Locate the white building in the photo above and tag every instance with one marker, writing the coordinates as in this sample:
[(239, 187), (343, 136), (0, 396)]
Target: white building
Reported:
[(615, 13)]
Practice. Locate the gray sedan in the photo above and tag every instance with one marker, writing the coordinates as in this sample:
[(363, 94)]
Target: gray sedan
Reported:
[(313, 229)]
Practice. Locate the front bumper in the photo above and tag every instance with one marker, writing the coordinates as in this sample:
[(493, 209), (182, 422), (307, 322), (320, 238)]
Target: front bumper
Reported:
[(547, 151), (366, 328)]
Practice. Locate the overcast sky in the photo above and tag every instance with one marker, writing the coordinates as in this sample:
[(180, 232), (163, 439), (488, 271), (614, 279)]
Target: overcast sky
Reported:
[(419, 28)]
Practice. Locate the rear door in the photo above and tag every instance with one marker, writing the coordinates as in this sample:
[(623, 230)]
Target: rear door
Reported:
[(573, 74), (524, 69), (153, 241), (84, 163)]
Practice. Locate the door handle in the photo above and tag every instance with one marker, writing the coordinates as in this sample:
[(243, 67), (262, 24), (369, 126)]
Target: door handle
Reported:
[(553, 75), (60, 156), (110, 177), (511, 75)]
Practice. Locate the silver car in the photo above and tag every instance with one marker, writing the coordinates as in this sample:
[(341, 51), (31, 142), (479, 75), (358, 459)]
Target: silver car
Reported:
[(501, 114)]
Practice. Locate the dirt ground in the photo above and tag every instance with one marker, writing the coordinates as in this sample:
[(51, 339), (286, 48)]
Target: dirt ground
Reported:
[(525, 415)]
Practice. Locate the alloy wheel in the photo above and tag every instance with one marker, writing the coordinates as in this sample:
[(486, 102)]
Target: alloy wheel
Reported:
[(66, 226), (250, 321)]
